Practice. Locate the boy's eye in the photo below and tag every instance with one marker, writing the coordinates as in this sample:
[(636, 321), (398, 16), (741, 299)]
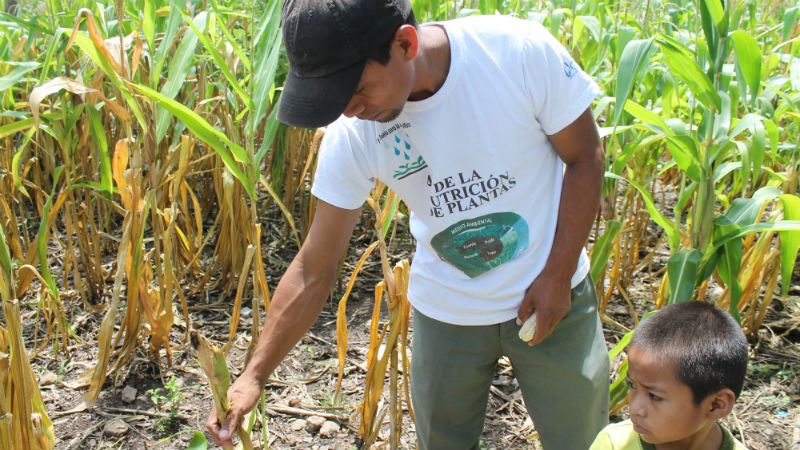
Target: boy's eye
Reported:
[(655, 398)]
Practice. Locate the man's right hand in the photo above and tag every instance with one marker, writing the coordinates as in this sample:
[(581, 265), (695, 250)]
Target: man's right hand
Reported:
[(242, 397)]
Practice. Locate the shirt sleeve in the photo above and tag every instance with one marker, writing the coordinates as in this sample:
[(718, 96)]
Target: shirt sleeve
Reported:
[(343, 177), (602, 441), (559, 89)]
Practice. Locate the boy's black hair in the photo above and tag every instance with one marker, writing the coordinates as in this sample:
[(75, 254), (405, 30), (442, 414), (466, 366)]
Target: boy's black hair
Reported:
[(383, 54), (704, 341)]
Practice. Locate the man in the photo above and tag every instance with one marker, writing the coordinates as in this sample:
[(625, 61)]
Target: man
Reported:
[(482, 125)]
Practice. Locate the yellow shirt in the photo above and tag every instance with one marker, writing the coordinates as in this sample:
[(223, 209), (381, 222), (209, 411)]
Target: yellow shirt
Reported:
[(620, 436)]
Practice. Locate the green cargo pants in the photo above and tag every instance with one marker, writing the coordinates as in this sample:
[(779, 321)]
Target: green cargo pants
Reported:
[(564, 379)]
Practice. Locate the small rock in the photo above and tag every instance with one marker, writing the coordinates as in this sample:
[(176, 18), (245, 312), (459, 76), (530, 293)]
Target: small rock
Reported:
[(314, 423), (294, 402), (246, 311), (47, 379), (196, 324), (299, 424), (329, 429), (128, 394), (115, 428)]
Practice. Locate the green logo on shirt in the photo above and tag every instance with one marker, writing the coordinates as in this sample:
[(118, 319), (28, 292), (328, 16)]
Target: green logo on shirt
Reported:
[(475, 246)]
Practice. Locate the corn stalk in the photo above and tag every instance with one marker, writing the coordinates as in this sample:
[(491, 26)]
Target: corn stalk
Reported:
[(389, 343)]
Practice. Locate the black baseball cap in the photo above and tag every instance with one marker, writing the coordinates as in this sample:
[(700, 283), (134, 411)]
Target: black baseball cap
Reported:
[(327, 44)]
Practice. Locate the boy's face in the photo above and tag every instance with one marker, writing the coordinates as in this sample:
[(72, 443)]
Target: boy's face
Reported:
[(662, 408)]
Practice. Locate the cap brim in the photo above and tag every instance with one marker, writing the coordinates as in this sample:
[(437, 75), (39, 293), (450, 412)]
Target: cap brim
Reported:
[(315, 102)]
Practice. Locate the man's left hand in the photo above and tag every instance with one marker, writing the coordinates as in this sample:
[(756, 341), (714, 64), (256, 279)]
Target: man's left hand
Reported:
[(551, 299)]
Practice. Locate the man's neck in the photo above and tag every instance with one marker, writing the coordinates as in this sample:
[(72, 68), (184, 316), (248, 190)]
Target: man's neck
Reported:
[(433, 62)]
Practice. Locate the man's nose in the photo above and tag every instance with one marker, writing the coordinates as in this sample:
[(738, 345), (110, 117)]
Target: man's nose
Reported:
[(355, 107)]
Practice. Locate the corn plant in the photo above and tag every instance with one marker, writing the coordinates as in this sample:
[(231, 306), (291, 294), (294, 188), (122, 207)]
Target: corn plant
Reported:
[(388, 347), (24, 422)]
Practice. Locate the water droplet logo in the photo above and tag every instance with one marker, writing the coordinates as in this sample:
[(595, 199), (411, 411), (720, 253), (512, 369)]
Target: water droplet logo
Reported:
[(569, 69), (411, 161)]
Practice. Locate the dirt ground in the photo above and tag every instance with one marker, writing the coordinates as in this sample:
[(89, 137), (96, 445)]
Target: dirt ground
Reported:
[(766, 416)]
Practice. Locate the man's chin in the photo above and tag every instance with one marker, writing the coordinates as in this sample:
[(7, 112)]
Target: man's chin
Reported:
[(392, 114)]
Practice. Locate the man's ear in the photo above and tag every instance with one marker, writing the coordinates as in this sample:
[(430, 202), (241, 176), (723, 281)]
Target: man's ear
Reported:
[(406, 35), (720, 403)]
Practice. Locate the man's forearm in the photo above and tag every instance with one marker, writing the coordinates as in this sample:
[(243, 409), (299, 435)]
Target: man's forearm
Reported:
[(580, 198), (297, 302)]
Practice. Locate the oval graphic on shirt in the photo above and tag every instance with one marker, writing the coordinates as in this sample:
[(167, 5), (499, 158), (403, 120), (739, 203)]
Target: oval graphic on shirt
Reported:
[(477, 245)]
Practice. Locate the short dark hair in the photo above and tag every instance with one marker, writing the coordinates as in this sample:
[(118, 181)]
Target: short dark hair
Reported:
[(704, 341), (383, 53)]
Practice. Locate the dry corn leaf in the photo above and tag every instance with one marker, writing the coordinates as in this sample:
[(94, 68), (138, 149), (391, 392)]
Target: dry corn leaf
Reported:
[(51, 87)]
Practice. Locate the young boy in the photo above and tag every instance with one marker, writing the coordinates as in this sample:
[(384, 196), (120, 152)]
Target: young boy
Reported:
[(686, 367)]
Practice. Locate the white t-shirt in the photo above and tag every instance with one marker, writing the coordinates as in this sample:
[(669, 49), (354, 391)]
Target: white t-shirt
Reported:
[(474, 165)]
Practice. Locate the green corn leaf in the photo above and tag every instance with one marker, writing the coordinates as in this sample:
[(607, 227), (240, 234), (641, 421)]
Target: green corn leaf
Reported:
[(179, 66), (646, 116), (716, 11), (16, 74), (728, 263), (390, 216), (620, 346), (744, 211), (237, 49), (748, 122), (789, 21), (682, 269), (171, 30), (790, 240), (673, 235), (15, 127), (748, 60), (618, 390), (590, 23), (682, 64), (99, 136), (149, 24), (42, 236), (268, 50), (224, 147), (684, 151), (626, 339), (780, 225), (198, 441), (269, 134), (221, 64), (633, 57), (55, 43), (602, 248), (624, 35), (15, 161), (6, 274)]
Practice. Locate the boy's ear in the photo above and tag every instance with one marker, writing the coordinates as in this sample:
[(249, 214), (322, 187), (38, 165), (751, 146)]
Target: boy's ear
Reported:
[(720, 403)]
